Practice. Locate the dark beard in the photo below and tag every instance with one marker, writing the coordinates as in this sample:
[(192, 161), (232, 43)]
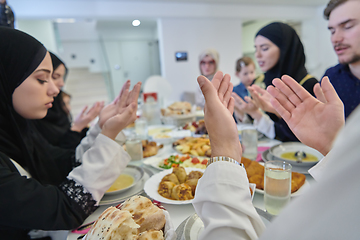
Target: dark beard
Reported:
[(354, 59)]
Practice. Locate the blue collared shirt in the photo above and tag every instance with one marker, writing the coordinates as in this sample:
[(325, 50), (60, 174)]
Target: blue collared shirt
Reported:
[(346, 85), (241, 90)]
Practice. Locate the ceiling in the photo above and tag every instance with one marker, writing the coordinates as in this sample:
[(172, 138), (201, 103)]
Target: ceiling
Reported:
[(256, 2)]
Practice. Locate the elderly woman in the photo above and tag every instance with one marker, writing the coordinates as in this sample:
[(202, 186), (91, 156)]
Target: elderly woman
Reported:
[(208, 63)]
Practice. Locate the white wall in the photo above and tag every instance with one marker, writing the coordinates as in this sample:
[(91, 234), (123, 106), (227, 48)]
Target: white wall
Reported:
[(82, 40), (42, 30), (249, 31), (193, 36), (188, 27), (319, 52)]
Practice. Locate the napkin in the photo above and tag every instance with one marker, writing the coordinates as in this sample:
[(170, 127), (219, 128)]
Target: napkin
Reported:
[(260, 151)]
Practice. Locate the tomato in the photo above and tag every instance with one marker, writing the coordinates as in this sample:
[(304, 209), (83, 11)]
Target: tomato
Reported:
[(204, 161), (195, 160), (174, 165)]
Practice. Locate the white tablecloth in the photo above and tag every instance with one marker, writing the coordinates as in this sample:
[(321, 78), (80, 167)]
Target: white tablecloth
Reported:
[(179, 213)]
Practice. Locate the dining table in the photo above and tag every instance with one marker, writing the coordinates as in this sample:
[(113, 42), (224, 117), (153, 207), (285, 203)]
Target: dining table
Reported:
[(179, 213)]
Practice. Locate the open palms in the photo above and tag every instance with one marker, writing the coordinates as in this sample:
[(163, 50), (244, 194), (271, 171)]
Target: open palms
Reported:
[(314, 121)]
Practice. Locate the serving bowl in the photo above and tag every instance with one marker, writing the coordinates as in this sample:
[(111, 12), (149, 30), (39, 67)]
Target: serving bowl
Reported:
[(286, 152)]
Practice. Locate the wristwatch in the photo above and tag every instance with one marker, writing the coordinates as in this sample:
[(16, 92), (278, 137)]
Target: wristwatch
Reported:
[(226, 159)]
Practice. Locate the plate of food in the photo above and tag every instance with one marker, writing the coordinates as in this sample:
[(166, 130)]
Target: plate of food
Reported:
[(174, 186), (289, 151), (151, 148), (155, 130), (266, 156), (178, 113), (195, 146), (127, 179), (175, 160), (255, 174), (197, 127), (121, 196)]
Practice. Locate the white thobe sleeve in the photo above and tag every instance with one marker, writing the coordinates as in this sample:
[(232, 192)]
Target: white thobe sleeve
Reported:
[(101, 165), (266, 126), (89, 140), (223, 202)]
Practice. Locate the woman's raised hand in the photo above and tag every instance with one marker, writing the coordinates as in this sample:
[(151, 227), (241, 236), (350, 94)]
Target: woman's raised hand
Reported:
[(121, 112), (85, 117), (262, 99)]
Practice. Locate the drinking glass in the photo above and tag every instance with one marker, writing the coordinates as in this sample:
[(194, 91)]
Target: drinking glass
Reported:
[(134, 149), (151, 112), (277, 186), (141, 128), (249, 143)]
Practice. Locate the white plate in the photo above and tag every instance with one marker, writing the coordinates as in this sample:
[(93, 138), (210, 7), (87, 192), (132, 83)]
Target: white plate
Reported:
[(155, 161), (152, 185), (266, 156), (160, 129), (279, 149), (136, 172), (137, 189), (193, 225)]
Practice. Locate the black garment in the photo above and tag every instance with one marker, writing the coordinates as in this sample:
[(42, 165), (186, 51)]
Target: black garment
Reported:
[(291, 62), (26, 204), (47, 201), (7, 17), (55, 127)]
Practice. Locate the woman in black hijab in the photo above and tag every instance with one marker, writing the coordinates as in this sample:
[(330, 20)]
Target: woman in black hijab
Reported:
[(279, 51), (57, 127), (292, 56), (41, 187)]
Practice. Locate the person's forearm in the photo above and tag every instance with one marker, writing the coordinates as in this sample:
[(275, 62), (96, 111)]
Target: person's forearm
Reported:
[(257, 115), (77, 128)]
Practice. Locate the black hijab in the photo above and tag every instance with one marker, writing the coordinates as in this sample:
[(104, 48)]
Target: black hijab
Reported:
[(20, 55), (292, 56), (56, 123)]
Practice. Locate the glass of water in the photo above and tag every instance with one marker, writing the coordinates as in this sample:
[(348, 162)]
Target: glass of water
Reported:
[(141, 128), (134, 148), (277, 186), (249, 138)]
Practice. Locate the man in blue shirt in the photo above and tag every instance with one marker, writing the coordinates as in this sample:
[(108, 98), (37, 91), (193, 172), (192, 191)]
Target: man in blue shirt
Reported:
[(344, 25)]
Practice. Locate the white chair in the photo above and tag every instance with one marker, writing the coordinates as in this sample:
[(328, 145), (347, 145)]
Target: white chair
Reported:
[(159, 85)]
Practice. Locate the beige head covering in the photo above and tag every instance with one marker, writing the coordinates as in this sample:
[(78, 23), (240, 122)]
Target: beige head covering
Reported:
[(212, 53)]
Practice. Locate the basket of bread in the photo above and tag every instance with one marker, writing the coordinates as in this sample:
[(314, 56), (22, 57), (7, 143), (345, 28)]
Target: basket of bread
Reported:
[(178, 114), (137, 218)]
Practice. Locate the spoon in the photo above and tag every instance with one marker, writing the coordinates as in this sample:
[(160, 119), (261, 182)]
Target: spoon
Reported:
[(300, 155)]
